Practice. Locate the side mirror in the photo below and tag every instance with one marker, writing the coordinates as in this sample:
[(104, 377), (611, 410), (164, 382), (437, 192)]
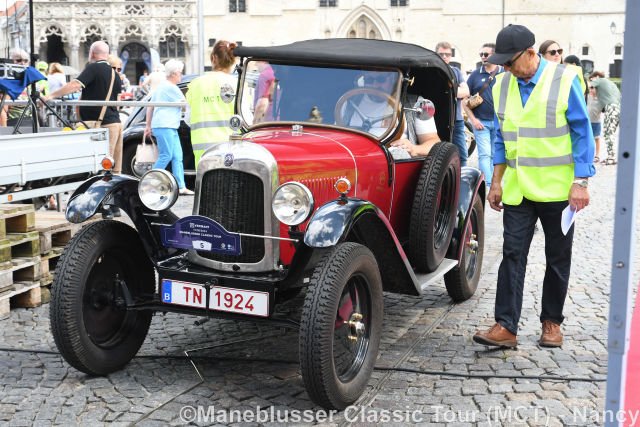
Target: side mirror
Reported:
[(424, 109)]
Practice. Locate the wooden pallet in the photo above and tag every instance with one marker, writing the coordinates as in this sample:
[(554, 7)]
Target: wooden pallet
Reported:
[(19, 283), (22, 269), (16, 218), (24, 294), (48, 264), (18, 245), (54, 232), (30, 246)]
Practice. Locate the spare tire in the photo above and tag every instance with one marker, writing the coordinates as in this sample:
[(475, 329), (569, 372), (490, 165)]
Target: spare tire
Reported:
[(433, 215)]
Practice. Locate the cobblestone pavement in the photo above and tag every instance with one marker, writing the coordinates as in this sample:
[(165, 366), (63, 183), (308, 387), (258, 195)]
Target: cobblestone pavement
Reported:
[(426, 333)]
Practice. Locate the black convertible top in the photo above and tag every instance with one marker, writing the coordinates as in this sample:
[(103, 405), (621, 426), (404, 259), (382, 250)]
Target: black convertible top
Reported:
[(429, 76), (380, 53)]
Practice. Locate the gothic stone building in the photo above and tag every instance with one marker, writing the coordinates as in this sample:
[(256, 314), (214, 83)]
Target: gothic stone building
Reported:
[(135, 30)]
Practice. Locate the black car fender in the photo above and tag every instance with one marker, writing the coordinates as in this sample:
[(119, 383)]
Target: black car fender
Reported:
[(121, 191), (356, 220), (107, 189), (472, 184)]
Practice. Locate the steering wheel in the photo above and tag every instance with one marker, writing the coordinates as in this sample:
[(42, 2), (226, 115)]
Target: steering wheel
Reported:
[(367, 121)]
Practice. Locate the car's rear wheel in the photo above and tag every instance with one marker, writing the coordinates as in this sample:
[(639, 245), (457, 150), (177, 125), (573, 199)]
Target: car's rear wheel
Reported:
[(341, 325), (469, 137), (462, 281), (433, 213), (102, 267)]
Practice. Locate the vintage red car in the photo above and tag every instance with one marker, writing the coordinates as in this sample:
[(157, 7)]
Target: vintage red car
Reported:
[(306, 195)]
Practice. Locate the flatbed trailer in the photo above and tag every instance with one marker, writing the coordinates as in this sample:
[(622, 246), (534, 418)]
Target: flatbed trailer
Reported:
[(51, 161)]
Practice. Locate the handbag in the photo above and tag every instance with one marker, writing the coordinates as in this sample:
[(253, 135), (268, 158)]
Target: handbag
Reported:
[(474, 100), (146, 156)]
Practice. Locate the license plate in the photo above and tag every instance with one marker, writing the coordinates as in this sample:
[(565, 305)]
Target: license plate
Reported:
[(254, 303)]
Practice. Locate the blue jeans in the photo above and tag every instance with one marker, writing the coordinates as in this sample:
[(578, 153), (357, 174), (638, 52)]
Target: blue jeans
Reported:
[(460, 141), (484, 142), (169, 150), (519, 222)]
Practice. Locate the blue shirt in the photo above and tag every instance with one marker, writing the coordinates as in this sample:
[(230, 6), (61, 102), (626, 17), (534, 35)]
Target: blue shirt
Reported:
[(167, 117), (582, 142), (476, 80), (459, 79)]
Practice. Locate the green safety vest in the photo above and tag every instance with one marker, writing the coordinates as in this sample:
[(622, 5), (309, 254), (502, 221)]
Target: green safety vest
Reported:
[(43, 87), (536, 137), (209, 114)]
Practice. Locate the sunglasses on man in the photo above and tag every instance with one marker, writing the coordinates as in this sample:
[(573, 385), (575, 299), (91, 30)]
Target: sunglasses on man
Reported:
[(374, 79), (510, 62), (21, 61), (554, 52), (484, 54), (445, 54)]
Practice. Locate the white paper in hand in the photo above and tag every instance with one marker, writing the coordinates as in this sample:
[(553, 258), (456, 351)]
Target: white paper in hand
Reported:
[(568, 218)]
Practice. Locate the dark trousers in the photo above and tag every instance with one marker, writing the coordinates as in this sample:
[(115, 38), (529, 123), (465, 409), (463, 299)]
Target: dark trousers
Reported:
[(519, 223)]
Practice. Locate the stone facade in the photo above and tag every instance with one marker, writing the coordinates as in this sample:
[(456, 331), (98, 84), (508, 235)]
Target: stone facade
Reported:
[(136, 30), (64, 29), (581, 27)]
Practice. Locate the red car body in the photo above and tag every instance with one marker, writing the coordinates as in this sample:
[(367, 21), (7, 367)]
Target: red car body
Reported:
[(320, 156)]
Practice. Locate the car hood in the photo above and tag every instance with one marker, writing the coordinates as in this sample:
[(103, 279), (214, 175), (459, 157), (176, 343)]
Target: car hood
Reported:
[(318, 156)]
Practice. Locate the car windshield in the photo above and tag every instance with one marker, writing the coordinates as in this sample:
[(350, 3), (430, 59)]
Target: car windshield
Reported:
[(354, 98)]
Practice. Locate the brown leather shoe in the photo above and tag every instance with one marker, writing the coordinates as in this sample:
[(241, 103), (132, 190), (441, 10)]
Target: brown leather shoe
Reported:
[(551, 334), (497, 336)]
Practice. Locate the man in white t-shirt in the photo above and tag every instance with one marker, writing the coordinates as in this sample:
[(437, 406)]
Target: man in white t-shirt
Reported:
[(374, 106)]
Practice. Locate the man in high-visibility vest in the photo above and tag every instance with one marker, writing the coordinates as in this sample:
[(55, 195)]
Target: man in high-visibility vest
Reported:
[(543, 158)]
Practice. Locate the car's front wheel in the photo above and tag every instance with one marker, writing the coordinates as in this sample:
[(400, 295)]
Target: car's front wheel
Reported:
[(102, 268), (341, 326)]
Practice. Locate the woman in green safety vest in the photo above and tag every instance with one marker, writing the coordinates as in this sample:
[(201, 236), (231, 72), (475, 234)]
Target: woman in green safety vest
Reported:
[(211, 100)]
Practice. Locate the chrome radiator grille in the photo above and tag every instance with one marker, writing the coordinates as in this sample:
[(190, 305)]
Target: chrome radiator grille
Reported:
[(235, 200)]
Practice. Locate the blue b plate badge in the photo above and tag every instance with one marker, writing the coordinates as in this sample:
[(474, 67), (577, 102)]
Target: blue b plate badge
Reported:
[(202, 234)]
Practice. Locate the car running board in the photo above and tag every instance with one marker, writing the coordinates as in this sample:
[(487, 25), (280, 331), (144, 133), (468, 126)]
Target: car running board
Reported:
[(428, 279)]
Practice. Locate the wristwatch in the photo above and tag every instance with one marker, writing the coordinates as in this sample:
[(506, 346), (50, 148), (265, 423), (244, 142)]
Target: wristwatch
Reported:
[(582, 182)]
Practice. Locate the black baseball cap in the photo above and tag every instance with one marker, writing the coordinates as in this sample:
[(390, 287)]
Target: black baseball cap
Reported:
[(511, 40), (572, 59)]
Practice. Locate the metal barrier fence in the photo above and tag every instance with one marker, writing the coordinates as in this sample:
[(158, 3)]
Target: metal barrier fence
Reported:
[(65, 111)]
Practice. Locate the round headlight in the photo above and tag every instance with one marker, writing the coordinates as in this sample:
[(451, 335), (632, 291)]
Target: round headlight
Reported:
[(292, 203), (158, 189)]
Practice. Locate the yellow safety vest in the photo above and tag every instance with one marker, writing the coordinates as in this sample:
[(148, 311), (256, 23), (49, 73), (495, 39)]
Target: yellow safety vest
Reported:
[(209, 114), (536, 137)]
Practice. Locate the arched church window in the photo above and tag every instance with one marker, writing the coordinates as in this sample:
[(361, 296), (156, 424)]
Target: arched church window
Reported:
[(132, 31), (52, 45), (171, 43), (364, 27), (91, 34)]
